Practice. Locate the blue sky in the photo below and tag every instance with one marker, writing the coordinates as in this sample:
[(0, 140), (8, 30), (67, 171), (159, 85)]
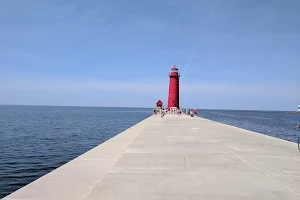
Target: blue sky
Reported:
[(232, 54)]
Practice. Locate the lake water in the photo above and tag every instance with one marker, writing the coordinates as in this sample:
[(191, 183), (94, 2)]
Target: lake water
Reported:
[(273, 123), (37, 139)]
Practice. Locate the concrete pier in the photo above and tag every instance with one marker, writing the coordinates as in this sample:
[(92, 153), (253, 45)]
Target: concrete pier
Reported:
[(176, 157)]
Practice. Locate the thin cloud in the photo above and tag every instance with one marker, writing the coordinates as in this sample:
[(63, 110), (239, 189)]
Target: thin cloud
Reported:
[(229, 88), (197, 94)]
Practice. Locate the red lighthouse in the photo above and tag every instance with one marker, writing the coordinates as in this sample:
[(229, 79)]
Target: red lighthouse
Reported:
[(173, 100)]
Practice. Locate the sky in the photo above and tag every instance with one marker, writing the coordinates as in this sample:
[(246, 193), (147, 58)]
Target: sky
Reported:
[(231, 54)]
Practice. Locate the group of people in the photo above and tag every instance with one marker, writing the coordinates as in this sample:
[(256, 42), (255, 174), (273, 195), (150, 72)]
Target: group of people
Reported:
[(179, 111), (160, 111), (192, 113)]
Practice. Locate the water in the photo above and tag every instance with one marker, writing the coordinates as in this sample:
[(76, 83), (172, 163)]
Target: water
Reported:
[(37, 139), (273, 123)]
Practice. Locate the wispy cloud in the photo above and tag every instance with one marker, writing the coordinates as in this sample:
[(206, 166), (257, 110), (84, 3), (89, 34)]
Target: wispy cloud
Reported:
[(58, 85), (220, 87)]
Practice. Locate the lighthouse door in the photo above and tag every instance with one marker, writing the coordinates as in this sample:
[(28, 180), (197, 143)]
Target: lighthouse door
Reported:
[(173, 110)]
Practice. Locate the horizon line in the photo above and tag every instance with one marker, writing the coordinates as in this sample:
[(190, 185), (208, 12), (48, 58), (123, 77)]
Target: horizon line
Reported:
[(86, 106)]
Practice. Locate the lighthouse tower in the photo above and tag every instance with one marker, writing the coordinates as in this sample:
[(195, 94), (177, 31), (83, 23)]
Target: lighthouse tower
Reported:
[(173, 100)]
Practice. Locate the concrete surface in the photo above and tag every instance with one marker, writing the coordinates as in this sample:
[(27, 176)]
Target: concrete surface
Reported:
[(176, 157)]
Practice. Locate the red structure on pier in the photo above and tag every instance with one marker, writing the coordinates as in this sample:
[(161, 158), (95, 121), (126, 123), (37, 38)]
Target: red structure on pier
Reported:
[(159, 103), (173, 100)]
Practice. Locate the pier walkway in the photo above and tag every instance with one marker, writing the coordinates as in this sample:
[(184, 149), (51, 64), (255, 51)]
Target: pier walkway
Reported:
[(176, 157)]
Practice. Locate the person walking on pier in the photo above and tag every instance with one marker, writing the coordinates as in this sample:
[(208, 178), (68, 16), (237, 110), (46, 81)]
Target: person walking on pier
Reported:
[(191, 113)]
